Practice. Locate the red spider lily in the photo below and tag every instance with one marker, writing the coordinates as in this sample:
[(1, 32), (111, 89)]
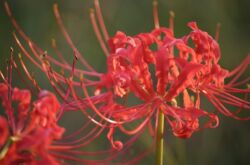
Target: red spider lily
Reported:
[(33, 135), (180, 76), (128, 72), (30, 134), (21, 145)]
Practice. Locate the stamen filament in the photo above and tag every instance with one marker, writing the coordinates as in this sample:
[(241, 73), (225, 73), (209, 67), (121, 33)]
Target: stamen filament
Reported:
[(100, 20), (97, 32)]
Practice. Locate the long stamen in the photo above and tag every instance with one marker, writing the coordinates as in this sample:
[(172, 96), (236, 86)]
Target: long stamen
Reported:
[(3, 77), (82, 110), (15, 24), (217, 32), (58, 148), (236, 90), (94, 108), (73, 158), (238, 71), (217, 103), (66, 67), (10, 111), (240, 83), (155, 14), (23, 79), (28, 73), (74, 134), (137, 129), (82, 139), (68, 39), (49, 73), (97, 32), (26, 52), (81, 144), (58, 53), (9, 75), (228, 96), (56, 75), (30, 42), (171, 20), (100, 20)]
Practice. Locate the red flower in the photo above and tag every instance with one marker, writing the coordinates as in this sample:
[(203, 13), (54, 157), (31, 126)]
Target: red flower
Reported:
[(23, 145)]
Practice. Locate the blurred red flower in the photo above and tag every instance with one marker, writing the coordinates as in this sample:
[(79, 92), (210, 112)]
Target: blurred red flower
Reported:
[(31, 131)]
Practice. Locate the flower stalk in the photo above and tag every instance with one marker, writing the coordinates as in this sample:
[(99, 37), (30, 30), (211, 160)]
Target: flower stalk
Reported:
[(5, 149), (160, 139)]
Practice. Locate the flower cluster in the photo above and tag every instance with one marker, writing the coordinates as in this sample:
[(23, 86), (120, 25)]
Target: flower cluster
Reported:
[(187, 74), (27, 137), (169, 75)]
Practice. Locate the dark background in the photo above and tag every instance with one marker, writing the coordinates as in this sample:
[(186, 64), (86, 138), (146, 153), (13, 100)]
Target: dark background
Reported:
[(229, 143)]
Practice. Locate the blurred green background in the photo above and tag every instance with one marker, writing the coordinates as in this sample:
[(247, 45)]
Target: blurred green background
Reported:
[(229, 144)]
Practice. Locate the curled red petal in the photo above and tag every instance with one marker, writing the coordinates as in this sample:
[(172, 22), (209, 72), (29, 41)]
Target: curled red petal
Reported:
[(117, 145), (184, 79)]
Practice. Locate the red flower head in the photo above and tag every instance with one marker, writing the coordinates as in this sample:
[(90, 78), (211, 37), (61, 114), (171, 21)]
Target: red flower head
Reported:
[(129, 73), (45, 113), (22, 145)]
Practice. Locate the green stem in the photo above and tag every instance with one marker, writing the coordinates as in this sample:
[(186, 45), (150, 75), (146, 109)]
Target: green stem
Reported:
[(160, 139), (7, 146), (5, 149)]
